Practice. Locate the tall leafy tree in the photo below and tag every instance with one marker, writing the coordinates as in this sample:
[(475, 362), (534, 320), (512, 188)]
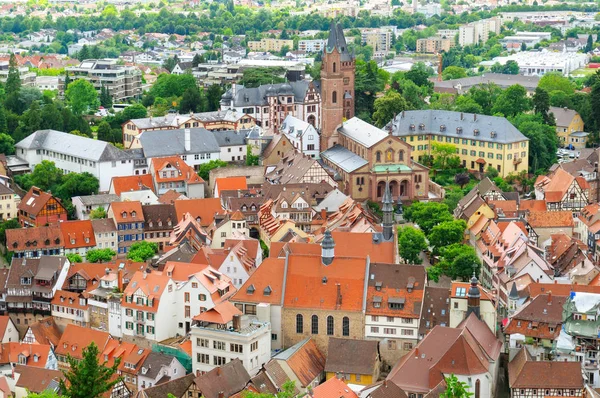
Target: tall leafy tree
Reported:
[(82, 96), (411, 242), (541, 103), (456, 388), (428, 214), (3, 121), (142, 251), (13, 80), (7, 144), (105, 98), (51, 117), (447, 233), (595, 105), (191, 100), (88, 378), (84, 53), (590, 44), (556, 81), (213, 97), (512, 101), (387, 107)]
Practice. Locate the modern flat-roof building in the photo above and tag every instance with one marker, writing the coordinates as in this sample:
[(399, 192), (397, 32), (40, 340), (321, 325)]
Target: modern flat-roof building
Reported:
[(122, 82), (27, 78), (481, 140)]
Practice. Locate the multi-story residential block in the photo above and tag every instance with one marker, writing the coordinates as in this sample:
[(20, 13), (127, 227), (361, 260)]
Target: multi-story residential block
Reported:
[(435, 45), (159, 221), (222, 334), (528, 377), (229, 225), (232, 144), (35, 242), (173, 173), (482, 141), (78, 237), (562, 191), (85, 204), (311, 46), (131, 183), (302, 135), (103, 160), (129, 219), (478, 32), (27, 77), (569, 128), (70, 307), (39, 208), (9, 203), (394, 297), (229, 119), (296, 168), (147, 307), (270, 45), (269, 104), (105, 233), (32, 284), (122, 82), (379, 39)]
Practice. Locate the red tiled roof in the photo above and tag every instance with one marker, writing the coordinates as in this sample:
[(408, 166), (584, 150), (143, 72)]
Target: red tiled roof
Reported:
[(533, 205), (76, 338), (333, 387), (131, 183), (78, 233), (550, 219), (34, 201), (124, 212), (269, 274), (205, 209), (181, 170), (230, 184), (221, 313), (151, 284), (25, 239)]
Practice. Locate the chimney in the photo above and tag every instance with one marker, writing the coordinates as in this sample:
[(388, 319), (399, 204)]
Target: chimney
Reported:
[(416, 352), (338, 300), (461, 116), (188, 144), (219, 371), (237, 322), (474, 117), (120, 279), (550, 298), (323, 214), (221, 394)]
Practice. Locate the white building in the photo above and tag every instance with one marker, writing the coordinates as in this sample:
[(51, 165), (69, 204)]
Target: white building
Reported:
[(478, 32), (538, 63), (232, 145), (226, 227), (223, 334), (147, 307), (158, 366), (105, 233), (302, 135), (46, 83), (76, 154), (85, 204), (311, 46)]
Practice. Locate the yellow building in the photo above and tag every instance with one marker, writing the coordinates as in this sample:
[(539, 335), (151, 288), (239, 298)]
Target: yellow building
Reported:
[(433, 45), (481, 141), (9, 201), (569, 128), (270, 45), (357, 361)]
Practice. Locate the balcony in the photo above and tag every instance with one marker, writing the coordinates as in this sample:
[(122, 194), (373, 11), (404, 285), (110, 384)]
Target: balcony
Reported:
[(517, 161), (41, 299)]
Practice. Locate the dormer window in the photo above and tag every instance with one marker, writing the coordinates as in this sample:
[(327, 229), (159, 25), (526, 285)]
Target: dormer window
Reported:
[(87, 239), (250, 289), (124, 214), (160, 223), (412, 127), (267, 291), (378, 286), (476, 132), (421, 127), (133, 214), (459, 130), (443, 128)]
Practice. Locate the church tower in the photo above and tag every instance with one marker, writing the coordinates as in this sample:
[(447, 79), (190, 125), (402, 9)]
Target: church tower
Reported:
[(388, 210), (473, 298), (337, 85)]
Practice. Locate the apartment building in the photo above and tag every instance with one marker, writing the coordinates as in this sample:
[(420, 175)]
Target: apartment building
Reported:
[(9, 202), (129, 219), (27, 78), (270, 45), (478, 32), (481, 141), (380, 40), (122, 82), (223, 334), (435, 44), (311, 46)]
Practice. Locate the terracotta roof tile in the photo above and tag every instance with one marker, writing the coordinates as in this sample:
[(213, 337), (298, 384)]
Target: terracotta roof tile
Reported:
[(125, 212), (229, 184), (205, 209), (34, 379), (333, 387), (268, 275), (131, 183), (76, 338), (79, 233), (533, 205), (545, 374), (151, 284), (395, 281), (550, 219), (173, 169), (46, 331), (25, 239), (352, 356), (221, 313), (35, 200)]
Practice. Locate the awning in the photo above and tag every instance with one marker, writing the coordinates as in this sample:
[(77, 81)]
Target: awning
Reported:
[(481, 161), (396, 300), (505, 322)]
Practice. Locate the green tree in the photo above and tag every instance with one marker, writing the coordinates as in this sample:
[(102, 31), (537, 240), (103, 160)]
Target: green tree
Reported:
[(197, 60), (7, 144), (84, 53), (135, 111), (485, 95), (3, 120), (12, 223), (459, 261), (456, 388), (105, 98), (82, 97), (511, 68), (74, 258), (45, 176), (419, 74), (88, 378), (411, 242), (171, 63), (523, 47), (254, 77), (98, 213), (142, 251), (387, 107), (168, 86), (590, 44), (595, 105), (556, 81), (541, 103), (453, 196), (205, 168), (467, 104), (51, 117), (447, 233), (427, 215), (251, 160), (13, 79), (78, 184), (100, 255), (512, 101), (543, 142), (45, 394), (444, 156), (287, 391), (191, 101), (454, 72), (213, 97), (104, 131)]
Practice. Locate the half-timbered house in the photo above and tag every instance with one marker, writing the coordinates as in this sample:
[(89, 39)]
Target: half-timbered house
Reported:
[(39, 208), (562, 191)]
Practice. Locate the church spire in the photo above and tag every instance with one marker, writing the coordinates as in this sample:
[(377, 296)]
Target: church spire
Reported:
[(337, 40), (473, 298)]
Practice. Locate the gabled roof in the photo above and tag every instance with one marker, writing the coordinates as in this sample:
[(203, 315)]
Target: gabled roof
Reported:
[(352, 356), (46, 331), (37, 380), (168, 164), (35, 200), (230, 183), (152, 284), (78, 233), (563, 116), (131, 183), (177, 387), (172, 142), (35, 355), (228, 379), (333, 387), (362, 132), (204, 209), (126, 212), (76, 338), (523, 372), (304, 359), (26, 239), (266, 282), (221, 314), (551, 219)]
